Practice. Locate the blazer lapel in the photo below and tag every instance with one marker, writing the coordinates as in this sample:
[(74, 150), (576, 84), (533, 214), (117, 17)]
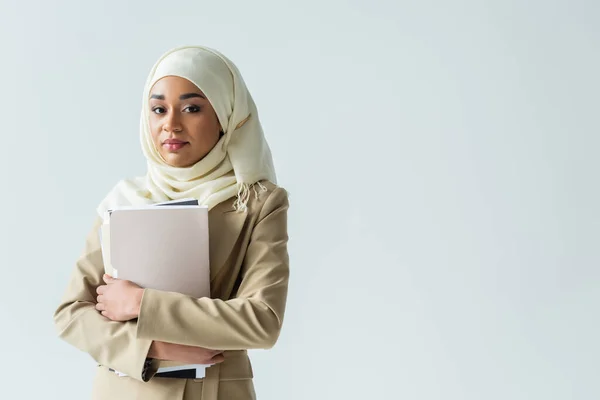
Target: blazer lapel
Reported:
[(224, 227)]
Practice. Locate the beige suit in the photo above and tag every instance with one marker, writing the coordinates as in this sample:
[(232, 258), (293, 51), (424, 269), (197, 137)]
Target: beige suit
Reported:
[(249, 279)]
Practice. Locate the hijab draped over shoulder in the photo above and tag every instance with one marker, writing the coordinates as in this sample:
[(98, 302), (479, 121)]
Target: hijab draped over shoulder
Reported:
[(233, 167)]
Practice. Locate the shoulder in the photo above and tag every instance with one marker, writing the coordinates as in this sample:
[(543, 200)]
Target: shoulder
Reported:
[(267, 197), (125, 192)]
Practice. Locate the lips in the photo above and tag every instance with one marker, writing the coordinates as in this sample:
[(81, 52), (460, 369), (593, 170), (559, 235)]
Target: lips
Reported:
[(174, 144)]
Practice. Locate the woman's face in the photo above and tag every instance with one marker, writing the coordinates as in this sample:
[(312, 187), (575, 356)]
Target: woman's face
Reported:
[(183, 123)]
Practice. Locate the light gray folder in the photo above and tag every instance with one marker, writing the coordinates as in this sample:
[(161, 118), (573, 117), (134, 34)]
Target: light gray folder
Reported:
[(164, 248)]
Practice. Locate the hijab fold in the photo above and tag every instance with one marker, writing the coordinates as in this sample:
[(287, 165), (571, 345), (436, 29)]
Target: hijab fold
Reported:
[(233, 167)]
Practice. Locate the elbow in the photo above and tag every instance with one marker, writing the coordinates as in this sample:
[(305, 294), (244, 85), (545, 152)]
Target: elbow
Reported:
[(266, 341), (65, 314), (270, 342), (270, 333), (59, 318)]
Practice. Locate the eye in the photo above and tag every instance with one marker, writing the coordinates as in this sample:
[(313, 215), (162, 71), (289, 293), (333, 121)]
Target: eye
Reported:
[(192, 109), (158, 110)]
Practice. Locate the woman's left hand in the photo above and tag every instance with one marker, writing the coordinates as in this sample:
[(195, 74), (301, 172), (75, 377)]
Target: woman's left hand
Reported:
[(119, 300)]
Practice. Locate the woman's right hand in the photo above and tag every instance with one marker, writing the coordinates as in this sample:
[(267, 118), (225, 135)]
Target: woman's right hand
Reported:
[(184, 354)]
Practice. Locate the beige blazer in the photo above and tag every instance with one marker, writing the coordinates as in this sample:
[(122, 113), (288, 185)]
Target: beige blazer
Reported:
[(249, 283)]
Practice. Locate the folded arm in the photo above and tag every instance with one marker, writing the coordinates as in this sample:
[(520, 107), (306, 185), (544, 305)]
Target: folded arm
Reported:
[(252, 319), (110, 343)]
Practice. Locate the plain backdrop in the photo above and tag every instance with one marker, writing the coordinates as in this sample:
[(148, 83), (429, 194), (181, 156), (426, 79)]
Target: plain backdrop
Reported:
[(442, 163)]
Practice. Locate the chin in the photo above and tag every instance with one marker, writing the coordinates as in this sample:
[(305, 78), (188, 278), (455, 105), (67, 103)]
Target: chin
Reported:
[(179, 163), (179, 160)]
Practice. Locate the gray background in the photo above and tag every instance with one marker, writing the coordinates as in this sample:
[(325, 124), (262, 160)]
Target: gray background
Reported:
[(441, 159)]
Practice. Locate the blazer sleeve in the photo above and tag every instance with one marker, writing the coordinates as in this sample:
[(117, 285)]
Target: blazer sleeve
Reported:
[(112, 344), (252, 319)]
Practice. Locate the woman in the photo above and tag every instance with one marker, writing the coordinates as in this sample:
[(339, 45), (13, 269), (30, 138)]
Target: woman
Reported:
[(202, 138)]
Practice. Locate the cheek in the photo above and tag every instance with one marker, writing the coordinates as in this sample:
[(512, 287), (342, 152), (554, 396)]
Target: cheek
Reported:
[(204, 130), (155, 129)]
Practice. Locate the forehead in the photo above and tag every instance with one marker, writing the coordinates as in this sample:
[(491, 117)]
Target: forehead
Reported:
[(174, 85)]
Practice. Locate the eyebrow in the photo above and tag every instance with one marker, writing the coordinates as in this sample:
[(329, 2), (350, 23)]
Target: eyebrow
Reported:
[(184, 96)]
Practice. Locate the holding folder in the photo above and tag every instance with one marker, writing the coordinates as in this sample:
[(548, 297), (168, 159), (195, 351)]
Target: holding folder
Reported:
[(163, 246)]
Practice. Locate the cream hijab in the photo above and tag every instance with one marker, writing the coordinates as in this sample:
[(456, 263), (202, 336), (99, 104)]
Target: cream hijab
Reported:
[(233, 167)]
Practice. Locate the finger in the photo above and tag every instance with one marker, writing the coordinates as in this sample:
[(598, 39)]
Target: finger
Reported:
[(219, 358), (100, 299), (105, 314), (101, 289), (100, 307), (108, 279)]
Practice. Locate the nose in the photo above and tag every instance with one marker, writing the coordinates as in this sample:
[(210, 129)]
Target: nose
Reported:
[(172, 123)]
